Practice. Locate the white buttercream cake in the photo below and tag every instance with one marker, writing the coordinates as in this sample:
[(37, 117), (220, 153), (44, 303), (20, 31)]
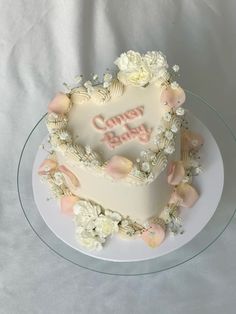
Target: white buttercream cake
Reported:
[(122, 160)]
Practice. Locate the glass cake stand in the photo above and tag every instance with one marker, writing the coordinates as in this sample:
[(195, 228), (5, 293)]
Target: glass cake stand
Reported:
[(210, 233)]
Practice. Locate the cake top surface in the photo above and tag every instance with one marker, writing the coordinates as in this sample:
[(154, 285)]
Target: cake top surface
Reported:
[(123, 126)]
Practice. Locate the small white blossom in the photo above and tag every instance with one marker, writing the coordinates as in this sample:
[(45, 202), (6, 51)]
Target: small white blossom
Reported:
[(106, 84), (174, 85), (174, 128), (87, 84), (186, 179), (124, 223), (46, 168), (157, 139), (145, 166), (65, 136), (95, 77), (143, 153), (52, 116), (88, 149), (194, 143), (175, 68), (165, 215), (163, 75), (167, 116), (197, 170), (59, 179), (78, 78), (169, 149), (160, 129), (180, 111), (107, 77), (169, 135)]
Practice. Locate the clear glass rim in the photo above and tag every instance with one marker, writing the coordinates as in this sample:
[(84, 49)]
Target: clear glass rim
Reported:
[(103, 272)]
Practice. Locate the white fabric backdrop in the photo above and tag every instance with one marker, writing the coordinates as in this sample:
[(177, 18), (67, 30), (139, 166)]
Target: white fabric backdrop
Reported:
[(43, 43)]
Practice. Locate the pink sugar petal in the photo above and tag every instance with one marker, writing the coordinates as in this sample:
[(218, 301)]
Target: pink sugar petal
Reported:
[(47, 166), (184, 194), (59, 104), (118, 167), (176, 172), (172, 97), (191, 141), (70, 175), (154, 235), (67, 203)]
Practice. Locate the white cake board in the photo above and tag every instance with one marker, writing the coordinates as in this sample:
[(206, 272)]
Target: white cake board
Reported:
[(209, 184)]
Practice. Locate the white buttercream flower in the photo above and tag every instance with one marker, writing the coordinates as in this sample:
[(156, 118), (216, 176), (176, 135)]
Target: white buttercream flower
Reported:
[(89, 242), (85, 212), (138, 77), (105, 226), (129, 61), (156, 59)]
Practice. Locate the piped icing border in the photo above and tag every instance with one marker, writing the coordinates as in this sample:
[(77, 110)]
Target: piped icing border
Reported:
[(134, 69)]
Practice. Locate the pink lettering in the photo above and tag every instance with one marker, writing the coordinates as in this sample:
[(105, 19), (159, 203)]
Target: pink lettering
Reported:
[(111, 139), (141, 133), (101, 124), (98, 123)]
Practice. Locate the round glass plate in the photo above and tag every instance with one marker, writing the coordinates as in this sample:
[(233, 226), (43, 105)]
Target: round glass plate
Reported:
[(215, 227)]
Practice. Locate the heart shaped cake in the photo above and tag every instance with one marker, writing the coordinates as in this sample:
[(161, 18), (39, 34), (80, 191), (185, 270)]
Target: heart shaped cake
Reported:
[(122, 161)]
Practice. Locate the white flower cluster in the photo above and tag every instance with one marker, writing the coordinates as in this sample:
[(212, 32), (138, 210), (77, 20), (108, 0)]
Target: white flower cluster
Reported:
[(140, 69), (172, 220), (94, 225)]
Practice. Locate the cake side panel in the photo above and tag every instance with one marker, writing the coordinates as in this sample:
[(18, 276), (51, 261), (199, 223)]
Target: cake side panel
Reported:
[(137, 202)]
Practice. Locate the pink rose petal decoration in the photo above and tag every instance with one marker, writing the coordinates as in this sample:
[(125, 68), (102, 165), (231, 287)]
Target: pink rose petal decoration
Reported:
[(172, 97), (154, 235), (118, 167), (175, 173), (184, 194), (67, 203), (70, 175), (191, 141), (47, 166), (59, 104)]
